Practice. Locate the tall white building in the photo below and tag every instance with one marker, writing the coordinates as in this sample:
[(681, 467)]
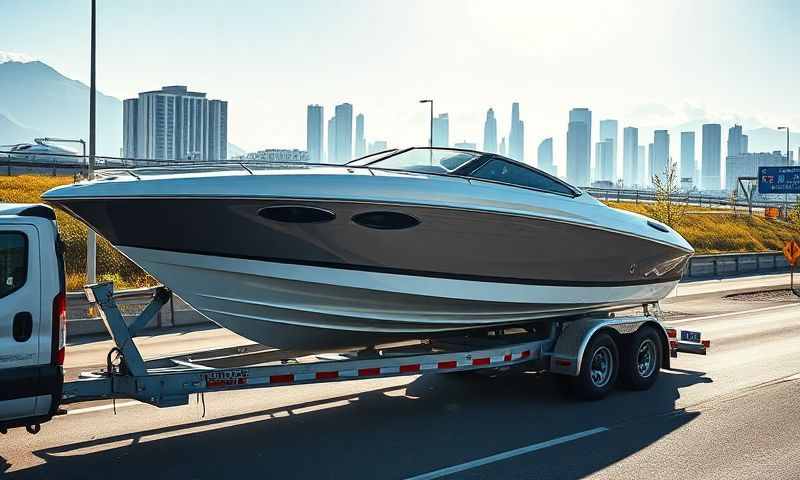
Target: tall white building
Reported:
[(688, 164), (712, 144), (604, 154), (608, 131), (579, 145), (502, 148), (630, 156), (544, 156), (661, 157), (378, 146), (175, 124), (737, 141), (332, 140), (516, 137), (314, 135), (361, 142), (746, 165), (344, 133), (490, 132), (441, 131)]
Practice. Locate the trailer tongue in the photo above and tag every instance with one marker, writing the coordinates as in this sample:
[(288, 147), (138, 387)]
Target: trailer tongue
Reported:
[(589, 351)]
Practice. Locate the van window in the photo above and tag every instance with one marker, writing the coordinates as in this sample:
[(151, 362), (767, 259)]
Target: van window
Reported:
[(13, 262)]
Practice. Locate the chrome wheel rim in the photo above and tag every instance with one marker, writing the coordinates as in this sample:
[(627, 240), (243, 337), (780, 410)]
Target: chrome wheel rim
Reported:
[(602, 366), (646, 358)]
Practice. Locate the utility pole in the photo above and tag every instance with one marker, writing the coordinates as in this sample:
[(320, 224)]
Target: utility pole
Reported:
[(91, 238)]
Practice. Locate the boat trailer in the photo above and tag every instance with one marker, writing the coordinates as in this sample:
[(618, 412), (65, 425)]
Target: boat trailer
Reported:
[(562, 347)]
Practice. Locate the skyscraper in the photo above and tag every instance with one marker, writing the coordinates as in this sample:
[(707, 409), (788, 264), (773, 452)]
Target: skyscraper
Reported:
[(361, 142), (490, 132), (502, 148), (630, 156), (608, 130), (712, 144), (175, 124), (605, 161), (377, 146), (441, 130), (130, 122), (544, 156), (642, 167), (516, 137), (314, 136), (344, 133), (579, 143), (737, 141), (650, 161), (687, 158), (331, 140), (660, 152)]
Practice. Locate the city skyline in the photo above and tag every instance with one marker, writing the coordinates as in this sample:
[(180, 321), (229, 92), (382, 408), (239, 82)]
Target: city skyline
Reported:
[(670, 86)]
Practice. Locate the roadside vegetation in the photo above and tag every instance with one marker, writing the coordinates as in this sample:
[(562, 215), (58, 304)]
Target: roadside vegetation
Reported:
[(708, 230), (111, 265)]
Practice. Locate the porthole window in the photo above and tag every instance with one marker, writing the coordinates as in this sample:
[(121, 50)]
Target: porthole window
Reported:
[(386, 220), (297, 214)]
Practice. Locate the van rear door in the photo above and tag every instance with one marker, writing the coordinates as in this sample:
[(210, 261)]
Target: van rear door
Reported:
[(21, 351)]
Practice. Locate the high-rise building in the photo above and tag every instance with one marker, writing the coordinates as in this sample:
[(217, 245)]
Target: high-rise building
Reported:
[(544, 156), (130, 122), (642, 170), (175, 124), (502, 148), (490, 132), (378, 146), (608, 130), (344, 133), (361, 142), (516, 137), (687, 159), (661, 157), (314, 136), (441, 130), (579, 143), (651, 171), (712, 144), (630, 156), (737, 141), (746, 165), (332, 140), (605, 162)]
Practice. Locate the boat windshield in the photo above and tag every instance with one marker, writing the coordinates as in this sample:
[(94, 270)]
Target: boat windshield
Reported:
[(367, 159), (426, 160)]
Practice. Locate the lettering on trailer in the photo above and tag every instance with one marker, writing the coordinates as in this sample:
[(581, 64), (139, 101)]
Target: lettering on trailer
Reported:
[(792, 252), (779, 180), (225, 378)]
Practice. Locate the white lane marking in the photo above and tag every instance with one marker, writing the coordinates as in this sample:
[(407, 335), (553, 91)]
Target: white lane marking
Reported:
[(100, 408), (730, 314), (506, 455)]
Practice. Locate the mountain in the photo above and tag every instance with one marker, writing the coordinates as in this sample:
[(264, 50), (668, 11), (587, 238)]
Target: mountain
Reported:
[(42, 102), (12, 133)]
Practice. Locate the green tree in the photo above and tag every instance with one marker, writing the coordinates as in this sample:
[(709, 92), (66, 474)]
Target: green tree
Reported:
[(668, 208)]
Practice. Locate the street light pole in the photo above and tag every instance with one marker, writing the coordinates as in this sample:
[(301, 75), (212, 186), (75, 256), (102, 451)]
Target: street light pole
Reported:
[(91, 238)]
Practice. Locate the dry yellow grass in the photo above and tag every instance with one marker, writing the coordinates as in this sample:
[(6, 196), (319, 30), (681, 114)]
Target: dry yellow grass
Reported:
[(720, 231), (111, 265)]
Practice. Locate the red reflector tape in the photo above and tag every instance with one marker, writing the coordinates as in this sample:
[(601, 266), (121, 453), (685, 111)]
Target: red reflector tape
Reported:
[(327, 375), (672, 333), (410, 368), (525, 354), (450, 364), (507, 357), (368, 372), (706, 343), (673, 344), (563, 363), (481, 361), (288, 378)]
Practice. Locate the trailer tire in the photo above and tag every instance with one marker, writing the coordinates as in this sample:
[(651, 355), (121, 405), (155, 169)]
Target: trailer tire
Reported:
[(641, 359), (599, 369)]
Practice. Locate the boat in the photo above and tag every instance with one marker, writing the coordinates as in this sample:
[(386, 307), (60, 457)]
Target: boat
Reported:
[(406, 243)]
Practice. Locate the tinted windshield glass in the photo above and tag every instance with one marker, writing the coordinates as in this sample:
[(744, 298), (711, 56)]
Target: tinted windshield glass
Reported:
[(426, 160), (367, 159), (507, 172)]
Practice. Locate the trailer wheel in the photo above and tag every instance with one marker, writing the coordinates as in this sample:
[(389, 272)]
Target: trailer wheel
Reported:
[(641, 359), (599, 369)]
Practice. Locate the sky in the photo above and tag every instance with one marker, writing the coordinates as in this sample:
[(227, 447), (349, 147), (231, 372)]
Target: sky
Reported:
[(650, 64)]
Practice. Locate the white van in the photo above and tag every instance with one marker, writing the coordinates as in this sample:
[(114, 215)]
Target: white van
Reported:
[(32, 316)]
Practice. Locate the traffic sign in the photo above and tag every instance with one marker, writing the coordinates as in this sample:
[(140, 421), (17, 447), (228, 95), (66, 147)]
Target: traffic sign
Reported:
[(778, 179), (792, 252)]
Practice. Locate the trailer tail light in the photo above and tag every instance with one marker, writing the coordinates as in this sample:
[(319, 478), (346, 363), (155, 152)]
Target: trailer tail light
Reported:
[(60, 327), (672, 333)]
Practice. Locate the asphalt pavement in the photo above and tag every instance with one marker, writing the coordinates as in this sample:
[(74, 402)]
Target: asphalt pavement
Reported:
[(731, 414)]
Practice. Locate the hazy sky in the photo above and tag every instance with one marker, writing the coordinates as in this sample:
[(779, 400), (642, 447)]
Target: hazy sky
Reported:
[(647, 64)]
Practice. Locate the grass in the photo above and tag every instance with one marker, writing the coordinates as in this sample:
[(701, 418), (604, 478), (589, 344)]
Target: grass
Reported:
[(713, 231), (721, 231), (111, 265)]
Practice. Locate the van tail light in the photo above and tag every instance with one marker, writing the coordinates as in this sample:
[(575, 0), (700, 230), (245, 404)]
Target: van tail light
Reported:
[(60, 327)]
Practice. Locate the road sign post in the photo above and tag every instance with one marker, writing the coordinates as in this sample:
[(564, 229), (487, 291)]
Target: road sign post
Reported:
[(792, 253)]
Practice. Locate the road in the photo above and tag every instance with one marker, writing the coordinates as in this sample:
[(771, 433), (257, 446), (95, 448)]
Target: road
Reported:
[(731, 414)]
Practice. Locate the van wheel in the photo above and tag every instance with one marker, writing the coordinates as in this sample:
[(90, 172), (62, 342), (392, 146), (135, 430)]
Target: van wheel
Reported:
[(599, 369), (641, 359), (33, 428)]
